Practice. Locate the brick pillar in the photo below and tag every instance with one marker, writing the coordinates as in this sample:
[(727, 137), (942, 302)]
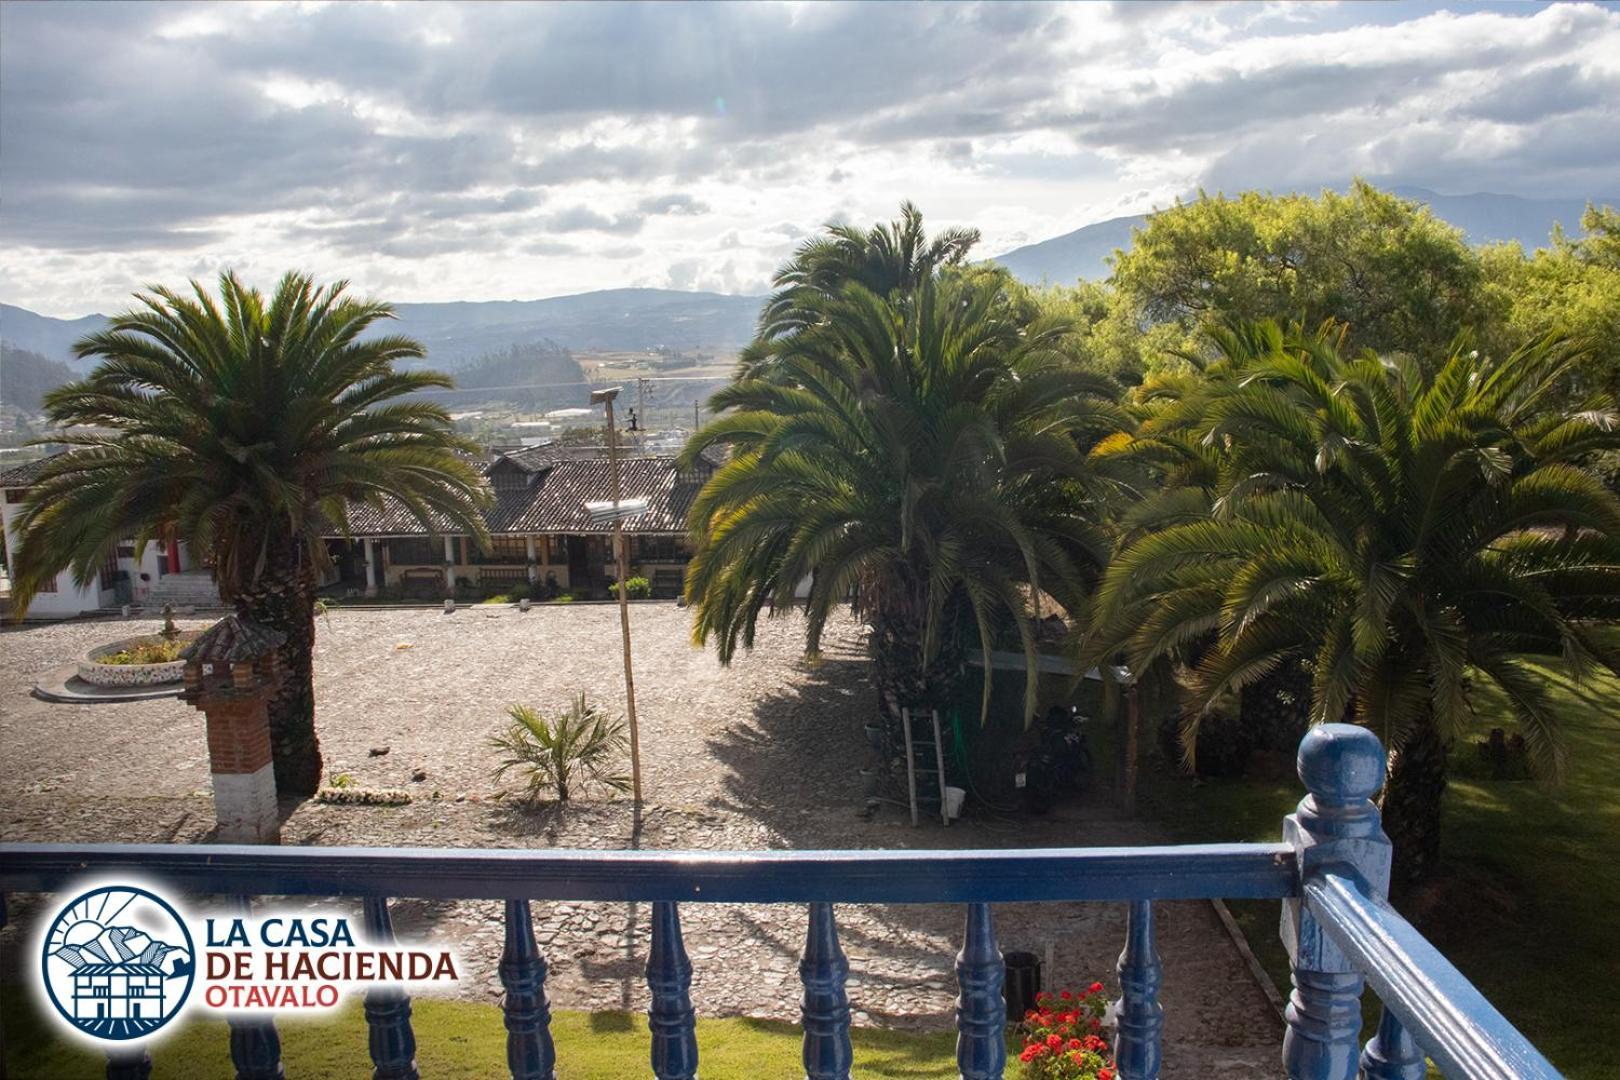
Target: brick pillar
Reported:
[(234, 696)]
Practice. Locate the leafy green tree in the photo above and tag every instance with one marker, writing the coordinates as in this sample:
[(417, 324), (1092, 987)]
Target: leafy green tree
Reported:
[(1397, 276), (1402, 534), (924, 450), (248, 428), (1571, 287)]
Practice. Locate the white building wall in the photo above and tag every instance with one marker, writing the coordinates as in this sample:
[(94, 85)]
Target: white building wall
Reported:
[(68, 599)]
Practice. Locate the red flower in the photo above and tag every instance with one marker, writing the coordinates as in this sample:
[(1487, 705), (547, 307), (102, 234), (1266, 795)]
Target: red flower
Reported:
[(1105, 1074), (1094, 988), (1054, 1041), (1066, 996), (1076, 1044), (1031, 1052)]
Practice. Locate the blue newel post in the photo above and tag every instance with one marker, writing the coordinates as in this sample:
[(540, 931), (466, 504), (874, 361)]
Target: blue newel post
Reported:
[(1391, 1054), (255, 1045), (530, 1054), (825, 1009), (1137, 1047), (981, 1010), (388, 1009), (669, 978), (1336, 824)]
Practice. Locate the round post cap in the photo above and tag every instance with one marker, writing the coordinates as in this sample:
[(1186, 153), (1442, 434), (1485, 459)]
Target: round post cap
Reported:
[(1341, 764)]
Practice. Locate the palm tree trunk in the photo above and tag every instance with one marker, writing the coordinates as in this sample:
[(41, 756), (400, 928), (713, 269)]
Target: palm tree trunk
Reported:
[(1411, 804), (284, 599)]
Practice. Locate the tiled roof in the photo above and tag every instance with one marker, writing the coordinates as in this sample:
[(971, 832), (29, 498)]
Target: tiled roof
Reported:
[(555, 502), (234, 638), (533, 459), (25, 474)]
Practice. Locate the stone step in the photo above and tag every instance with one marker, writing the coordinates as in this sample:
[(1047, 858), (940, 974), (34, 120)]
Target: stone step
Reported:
[(190, 588)]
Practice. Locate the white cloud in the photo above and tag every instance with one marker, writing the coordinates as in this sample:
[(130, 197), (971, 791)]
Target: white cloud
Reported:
[(446, 151)]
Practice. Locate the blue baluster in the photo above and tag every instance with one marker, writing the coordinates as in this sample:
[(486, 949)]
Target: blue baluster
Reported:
[(981, 1011), (129, 1063), (1342, 767), (669, 977), (1137, 1049), (388, 1009), (255, 1043), (1391, 1054), (825, 1010), (529, 1050)]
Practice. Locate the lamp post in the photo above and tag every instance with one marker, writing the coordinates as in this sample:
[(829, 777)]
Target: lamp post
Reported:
[(619, 511)]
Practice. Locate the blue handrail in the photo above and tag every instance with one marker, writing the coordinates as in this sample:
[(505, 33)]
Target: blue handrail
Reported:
[(1191, 872), (1331, 872), (1463, 1032)]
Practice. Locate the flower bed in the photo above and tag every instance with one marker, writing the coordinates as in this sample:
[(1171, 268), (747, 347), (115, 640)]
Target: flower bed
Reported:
[(1063, 1037), (120, 663)]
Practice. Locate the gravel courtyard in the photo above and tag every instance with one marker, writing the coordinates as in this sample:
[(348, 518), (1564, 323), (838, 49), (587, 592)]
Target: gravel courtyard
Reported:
[(763, 754)]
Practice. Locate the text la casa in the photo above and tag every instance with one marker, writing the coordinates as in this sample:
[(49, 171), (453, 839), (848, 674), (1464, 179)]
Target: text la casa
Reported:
[(276, 933)]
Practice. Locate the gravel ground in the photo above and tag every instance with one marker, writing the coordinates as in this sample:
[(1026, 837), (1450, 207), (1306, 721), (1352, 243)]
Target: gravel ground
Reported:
[(763, 754)]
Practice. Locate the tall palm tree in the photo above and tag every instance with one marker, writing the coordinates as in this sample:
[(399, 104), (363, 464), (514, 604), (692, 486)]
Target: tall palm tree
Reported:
[(1401, 533), (247, 427), (1179, 473), (890, 260), (926, 451)]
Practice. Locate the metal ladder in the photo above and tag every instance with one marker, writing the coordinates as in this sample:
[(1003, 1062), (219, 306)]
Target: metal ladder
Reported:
[(930, 731)]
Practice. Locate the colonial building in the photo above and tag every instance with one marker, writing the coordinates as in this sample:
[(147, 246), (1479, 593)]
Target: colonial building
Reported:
[(540, 535), (124, 579), (540, 531)]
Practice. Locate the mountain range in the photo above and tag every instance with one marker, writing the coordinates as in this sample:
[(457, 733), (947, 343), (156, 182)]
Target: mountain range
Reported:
[(457, 332), (461, 332)]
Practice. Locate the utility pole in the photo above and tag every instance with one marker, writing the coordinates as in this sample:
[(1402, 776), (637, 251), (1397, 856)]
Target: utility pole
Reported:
[(641, 412), (606, 397)]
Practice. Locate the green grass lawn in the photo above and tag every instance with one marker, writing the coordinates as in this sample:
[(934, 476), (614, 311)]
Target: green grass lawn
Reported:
[(458, 1040), (1525, 903)]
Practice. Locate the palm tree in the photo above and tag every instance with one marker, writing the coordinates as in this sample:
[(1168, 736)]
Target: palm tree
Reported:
[(580, 745), (1402, 534), (889, 260), (248, 428), (1177, 474), (924, 451)]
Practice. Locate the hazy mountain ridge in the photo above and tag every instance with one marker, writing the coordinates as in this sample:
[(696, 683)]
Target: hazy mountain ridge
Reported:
[(1485, 218), (26, 377), (461, 331)]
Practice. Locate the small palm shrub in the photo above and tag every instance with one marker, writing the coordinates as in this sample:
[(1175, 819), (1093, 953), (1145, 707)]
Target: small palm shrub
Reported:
[(580, 745)]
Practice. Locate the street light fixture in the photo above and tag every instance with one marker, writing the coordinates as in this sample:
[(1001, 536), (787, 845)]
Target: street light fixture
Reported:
[(618, 511)]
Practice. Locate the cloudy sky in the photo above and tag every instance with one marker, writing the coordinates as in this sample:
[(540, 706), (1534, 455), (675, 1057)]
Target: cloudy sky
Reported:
[(504, 151)]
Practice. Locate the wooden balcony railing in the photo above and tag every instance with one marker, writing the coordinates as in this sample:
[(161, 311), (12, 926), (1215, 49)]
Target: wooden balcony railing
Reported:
[(1330, 872)]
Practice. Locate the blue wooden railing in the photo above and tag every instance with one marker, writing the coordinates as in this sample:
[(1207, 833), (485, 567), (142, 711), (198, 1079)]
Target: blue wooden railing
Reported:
[(1330, 872)]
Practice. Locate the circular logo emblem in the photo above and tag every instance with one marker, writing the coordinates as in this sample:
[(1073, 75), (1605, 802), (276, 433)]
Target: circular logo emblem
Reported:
[(118, 962)]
